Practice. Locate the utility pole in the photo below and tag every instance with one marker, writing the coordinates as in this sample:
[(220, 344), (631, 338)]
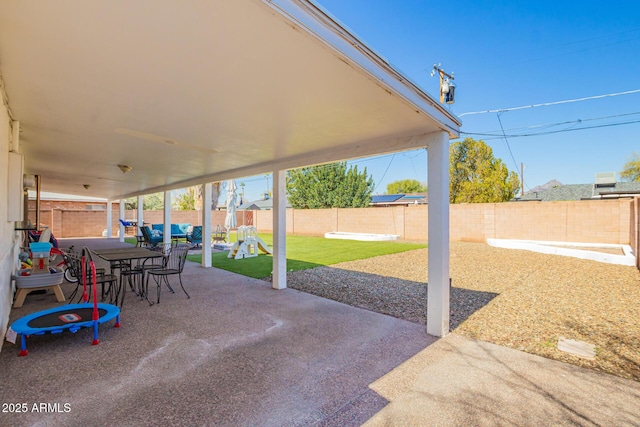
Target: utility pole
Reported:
[(447, 88), (268, 193)]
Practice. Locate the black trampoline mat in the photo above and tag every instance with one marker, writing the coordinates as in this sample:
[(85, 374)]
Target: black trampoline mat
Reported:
[(58, 318)]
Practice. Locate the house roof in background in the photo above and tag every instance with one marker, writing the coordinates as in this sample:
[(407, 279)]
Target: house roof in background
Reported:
[(386, 198), (583, 191), (398, 199), (264, 204)]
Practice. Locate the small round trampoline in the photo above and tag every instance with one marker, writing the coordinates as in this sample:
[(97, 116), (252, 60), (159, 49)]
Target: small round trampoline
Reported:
[(72, 317)]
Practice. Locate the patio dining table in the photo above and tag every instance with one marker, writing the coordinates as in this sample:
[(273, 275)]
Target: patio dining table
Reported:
[(117, 257)]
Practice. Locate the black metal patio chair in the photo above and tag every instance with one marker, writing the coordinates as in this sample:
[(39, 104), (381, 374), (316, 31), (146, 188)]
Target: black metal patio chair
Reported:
[(135, 274), (172, 264), (108, 282)]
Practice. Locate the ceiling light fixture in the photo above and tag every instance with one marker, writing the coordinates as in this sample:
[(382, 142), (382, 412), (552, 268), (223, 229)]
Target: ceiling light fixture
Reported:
[(124, 168)]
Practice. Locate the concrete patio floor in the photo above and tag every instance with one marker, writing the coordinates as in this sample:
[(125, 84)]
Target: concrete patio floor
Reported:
[(239, 353)]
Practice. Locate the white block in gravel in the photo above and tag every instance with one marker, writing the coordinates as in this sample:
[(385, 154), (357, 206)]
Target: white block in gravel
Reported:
[(577, 348)]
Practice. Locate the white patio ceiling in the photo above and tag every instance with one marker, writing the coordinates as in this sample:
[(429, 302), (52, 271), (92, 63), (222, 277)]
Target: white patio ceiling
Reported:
[(196, 91)]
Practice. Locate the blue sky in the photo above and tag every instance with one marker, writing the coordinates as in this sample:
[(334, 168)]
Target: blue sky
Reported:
[(508, 54)]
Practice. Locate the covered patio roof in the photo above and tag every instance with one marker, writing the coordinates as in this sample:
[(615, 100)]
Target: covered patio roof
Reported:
[(187, 93), (179, 94)]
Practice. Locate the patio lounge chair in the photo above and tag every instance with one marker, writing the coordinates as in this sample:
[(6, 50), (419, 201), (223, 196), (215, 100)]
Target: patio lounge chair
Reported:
[(149, 238), (195, 236)]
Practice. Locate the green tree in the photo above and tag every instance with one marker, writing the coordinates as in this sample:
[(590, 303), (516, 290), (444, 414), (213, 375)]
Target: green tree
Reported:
[(631, 171), (478, 177), (406, 186), (186, 200), (151, 202), (329, 186), (131, 203)]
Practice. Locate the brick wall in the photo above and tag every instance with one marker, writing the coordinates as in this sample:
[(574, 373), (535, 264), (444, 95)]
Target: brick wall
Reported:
[(314, 221), (73, 219), (384, 220), (191, 217), (634, 229), (589, 221)]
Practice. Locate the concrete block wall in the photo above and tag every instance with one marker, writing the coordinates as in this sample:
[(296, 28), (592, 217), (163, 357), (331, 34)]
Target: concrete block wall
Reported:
[(77, 221), (389, 220), (470, 222), (314, 221), (634, 228), (192, 217), (586, 221), (84, 223), (589, 221), (415, 223)]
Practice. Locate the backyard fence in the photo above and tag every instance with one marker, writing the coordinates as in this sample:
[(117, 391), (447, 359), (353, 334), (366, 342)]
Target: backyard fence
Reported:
[(586, 221)]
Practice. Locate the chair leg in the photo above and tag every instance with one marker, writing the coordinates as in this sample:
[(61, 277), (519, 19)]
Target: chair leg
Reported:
[(185, 291), (166, 281), (73, 294), (119, 287), (146, 289)]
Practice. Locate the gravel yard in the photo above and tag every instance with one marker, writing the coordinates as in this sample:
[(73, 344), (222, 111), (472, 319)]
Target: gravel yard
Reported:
[(514, 298)]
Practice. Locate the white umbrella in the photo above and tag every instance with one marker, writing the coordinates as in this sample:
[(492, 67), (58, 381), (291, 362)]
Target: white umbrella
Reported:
[(230, 219)]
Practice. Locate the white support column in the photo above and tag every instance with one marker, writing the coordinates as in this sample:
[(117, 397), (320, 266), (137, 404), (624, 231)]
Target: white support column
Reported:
[(167, 218), (121, 233), (438, 288), (140, 215), (279, 230), (206, 225), (109, 218)]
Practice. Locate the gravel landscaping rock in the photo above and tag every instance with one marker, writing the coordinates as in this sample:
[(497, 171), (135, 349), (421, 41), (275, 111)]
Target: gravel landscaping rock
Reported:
[(514, 298)]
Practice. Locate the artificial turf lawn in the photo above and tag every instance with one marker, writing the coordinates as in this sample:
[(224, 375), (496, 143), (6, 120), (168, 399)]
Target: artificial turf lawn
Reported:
[(306, 252)]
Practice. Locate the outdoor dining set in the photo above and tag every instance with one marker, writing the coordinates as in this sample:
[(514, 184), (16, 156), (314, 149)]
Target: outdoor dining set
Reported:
[(99, 293), (132, 266)]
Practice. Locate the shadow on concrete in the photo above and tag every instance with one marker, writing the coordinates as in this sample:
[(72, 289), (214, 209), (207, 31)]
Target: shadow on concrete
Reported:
[(395, 297)]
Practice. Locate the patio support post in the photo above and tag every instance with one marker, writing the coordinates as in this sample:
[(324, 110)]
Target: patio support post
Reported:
[(279, 230), (167, 218), (438, 236), (121, 233), (140, 215), (109, 219), (206, 225)]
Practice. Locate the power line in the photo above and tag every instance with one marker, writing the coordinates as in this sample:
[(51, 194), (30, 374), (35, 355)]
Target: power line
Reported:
[(385, 172), (548, 125), (546, 104), (551, 132), (507, 142)]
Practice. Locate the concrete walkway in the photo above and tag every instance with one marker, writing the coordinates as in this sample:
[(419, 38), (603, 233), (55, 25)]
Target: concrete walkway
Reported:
[(462, 382), (239, 353)]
